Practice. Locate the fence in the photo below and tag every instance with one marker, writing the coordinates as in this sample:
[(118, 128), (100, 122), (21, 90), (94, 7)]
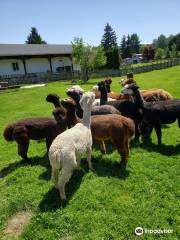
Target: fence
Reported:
[(73, 75), (135, 69)]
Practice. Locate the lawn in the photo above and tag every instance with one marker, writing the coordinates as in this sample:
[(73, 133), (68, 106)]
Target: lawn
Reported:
[(104, 204)]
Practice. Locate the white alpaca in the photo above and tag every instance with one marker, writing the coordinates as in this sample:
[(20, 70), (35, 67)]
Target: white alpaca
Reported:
[(67, 148)]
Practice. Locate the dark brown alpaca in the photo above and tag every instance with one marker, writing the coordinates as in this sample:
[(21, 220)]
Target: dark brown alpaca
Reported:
[(35, 128)]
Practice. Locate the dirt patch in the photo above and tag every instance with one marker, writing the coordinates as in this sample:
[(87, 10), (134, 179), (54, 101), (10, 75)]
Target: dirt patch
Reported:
[(16, 224), (66, 237)]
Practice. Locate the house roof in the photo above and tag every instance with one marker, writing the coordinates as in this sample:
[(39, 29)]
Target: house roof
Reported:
[(34, 49)]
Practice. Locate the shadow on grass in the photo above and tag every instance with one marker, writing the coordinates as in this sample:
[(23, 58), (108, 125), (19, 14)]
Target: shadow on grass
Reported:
[(43, 161), (52, 202), (108, 168), (167, 150)]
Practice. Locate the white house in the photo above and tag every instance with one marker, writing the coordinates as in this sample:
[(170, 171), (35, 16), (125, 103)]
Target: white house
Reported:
[(22, 59)]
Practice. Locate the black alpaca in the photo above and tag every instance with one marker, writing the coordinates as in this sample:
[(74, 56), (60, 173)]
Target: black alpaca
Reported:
[(127, 108), (154, 113)]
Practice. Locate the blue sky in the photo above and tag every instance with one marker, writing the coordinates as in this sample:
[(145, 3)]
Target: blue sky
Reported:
[(58, 21)]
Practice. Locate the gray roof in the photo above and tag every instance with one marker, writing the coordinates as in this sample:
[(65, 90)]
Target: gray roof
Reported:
[(34, 49)]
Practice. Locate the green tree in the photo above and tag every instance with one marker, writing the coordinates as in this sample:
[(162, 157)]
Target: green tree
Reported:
[(123, 47), (34, 37), (109, 39), (126, 47), (173, 51), (109, 43), (167, 53), (135, 43), (87, 56), (160, 42), (175, 40), (159, 54), (99, 58)]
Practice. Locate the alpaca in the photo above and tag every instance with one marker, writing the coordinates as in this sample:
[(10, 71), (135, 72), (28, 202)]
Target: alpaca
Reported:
[(127, 108), (67, 148), (155, 113), (96, 110), (149, 95), (34, 128), (112, 127)]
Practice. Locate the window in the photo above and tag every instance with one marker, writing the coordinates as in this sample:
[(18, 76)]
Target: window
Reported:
[(15, 66)]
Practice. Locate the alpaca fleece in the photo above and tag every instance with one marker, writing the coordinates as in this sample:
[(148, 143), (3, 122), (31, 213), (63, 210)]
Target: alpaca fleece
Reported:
[(67, 148)]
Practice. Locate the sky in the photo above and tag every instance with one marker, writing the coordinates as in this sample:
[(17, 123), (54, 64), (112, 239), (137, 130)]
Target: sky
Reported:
[(59, 21)]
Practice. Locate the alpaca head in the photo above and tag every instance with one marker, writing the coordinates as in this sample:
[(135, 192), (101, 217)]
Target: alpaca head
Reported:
[(95, 89), (53, 98), (87, 100), (69, 104), (130, 89), (75, 92), (127, 82), (76, 96), (59, 114), (108, 83)]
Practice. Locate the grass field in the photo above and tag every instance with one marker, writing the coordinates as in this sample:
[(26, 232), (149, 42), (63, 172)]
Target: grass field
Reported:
[(104, 204)]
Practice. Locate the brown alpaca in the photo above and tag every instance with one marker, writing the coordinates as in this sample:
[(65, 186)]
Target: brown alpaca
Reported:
[(34, 128), (112, 127), (149, 95)]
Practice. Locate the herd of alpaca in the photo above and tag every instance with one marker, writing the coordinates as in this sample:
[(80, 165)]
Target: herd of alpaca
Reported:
[(96, 116)]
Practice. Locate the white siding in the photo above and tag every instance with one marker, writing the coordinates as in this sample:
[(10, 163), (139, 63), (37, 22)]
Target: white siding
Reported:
[(35, 65), (6, 67), (60, 62), (76, 67)]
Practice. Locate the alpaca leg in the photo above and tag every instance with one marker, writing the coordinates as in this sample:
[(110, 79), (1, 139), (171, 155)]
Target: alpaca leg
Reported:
[(137, 131), (103, 147), (64, 177), (54, 176), (23, 149), (157, 127), (123, 149), (89, 152), (20, 135), (179, 121)]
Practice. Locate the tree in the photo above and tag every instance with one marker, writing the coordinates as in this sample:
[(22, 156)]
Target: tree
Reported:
[(148, 53), (159, 53), (87, 56), (175, 40), (123, 46), (34, 37), (173, 51), (160, 42), (126, 47), (109, 43), (135, 43), (167, 53), (109, 39)]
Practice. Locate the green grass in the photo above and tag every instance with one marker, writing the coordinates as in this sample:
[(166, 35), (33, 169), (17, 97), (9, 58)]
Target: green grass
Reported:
[(104, 204)]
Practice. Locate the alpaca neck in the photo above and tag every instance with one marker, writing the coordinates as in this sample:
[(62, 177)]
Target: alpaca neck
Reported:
[(138, 99), (86, 120), (72, 118), (103, 98)]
